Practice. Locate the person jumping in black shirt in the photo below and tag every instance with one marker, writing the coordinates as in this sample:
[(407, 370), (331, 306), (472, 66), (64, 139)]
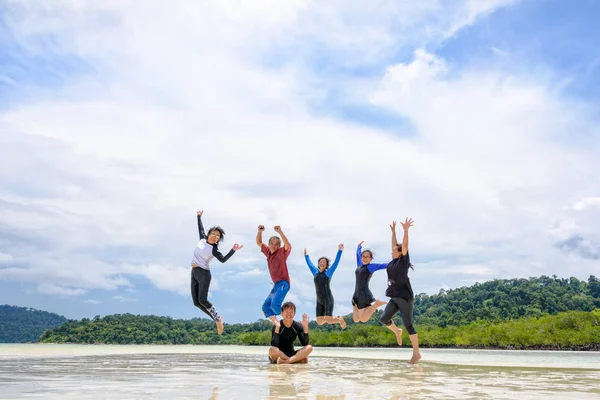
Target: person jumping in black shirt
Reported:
[(400, 291)]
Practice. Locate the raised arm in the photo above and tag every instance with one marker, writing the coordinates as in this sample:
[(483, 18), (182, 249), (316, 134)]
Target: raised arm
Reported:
[(329, 272), (303, 335), (394, 240), (314, 270), (286, 243), (200, 226), (259, 242), (359, 254), (406, 226)]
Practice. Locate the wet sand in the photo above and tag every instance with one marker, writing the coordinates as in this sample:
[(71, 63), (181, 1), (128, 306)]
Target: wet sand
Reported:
[(227, 372)]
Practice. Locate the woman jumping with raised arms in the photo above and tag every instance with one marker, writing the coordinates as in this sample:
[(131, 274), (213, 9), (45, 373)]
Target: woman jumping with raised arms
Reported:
[(322, 278), (207, 249), (400, 290), (364, 304)]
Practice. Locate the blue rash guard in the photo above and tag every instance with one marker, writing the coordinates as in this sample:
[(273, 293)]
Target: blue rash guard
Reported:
[(322, 281), (363, 297)]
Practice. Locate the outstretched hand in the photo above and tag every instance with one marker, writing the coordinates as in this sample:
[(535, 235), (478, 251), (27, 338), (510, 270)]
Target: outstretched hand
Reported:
[(305, 251), (261, 227), (199, 212), (277, 228), (305, 320), (236, 246), (408, 222), (361, 242), (393, 226), (341, 247)]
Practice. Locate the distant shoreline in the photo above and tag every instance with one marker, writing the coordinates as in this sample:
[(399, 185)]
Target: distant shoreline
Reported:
[(591, 348)]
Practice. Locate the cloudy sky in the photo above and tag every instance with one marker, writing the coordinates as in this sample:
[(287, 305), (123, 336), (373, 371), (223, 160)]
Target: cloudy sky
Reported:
[(478, 119)]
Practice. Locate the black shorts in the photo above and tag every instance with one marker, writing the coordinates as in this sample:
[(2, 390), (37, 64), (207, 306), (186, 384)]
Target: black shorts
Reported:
[(325, 309), (289, 355), (362, 301)]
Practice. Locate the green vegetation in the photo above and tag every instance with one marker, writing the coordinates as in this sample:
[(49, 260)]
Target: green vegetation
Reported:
[(535, 313), (22, 324), (507, 299), (568, 330), (143, 329)]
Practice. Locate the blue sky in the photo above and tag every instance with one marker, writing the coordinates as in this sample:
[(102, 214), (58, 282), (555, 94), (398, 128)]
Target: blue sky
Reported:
[(477, 119)]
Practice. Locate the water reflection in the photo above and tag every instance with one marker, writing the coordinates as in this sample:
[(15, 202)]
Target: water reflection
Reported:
[(215, 393), (288, 381), (227, 376)]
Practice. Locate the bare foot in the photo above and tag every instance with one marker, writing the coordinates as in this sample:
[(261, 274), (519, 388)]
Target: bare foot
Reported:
[(379, 303), (220, 325), (282, 361), (342, 322), (415, 358), (398, 334)]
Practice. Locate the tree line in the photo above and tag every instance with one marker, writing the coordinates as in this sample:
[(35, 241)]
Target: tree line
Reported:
[(544, 312), (567, 330)]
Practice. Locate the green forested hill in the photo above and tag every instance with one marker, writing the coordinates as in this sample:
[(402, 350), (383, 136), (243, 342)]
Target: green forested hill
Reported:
[(22, 324), (506, 299), (519, 313)]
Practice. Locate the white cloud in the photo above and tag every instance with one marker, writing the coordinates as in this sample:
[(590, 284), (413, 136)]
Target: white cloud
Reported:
[(474, 271), (294, 299), (51, 270), (586, 202), (49, 288), (165, 277), (6, 258), (471, 10), (191, 106), (492, 146), (499, 52), (124, 299), (91, 301), (343, 310), (253, 272)]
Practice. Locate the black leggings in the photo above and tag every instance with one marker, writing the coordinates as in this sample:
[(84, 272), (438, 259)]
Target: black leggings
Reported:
[(200, 282), (406, 309)]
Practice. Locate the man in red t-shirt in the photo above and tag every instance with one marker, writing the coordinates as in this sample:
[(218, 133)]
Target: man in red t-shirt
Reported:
[(276, 260)]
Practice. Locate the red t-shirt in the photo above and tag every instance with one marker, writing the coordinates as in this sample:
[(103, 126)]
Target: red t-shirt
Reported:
[(276, 262)]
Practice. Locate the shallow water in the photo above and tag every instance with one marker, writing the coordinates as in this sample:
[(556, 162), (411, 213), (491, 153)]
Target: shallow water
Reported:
[(228, 372)]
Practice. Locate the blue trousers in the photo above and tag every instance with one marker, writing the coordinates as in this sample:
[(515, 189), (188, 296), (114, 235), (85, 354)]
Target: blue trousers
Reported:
[(272, 305)]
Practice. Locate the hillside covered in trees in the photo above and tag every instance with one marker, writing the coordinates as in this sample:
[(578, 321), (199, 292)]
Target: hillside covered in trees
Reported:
[(22, 324), (507, 299), (518, 313)]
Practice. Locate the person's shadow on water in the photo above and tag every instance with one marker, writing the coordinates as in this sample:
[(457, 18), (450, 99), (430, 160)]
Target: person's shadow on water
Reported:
[(330, 397), (414, 376), (215, 393), (284, 378)]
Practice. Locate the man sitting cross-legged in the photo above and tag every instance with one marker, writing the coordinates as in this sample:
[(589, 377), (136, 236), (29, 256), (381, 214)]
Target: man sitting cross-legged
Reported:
[(283, 337)]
